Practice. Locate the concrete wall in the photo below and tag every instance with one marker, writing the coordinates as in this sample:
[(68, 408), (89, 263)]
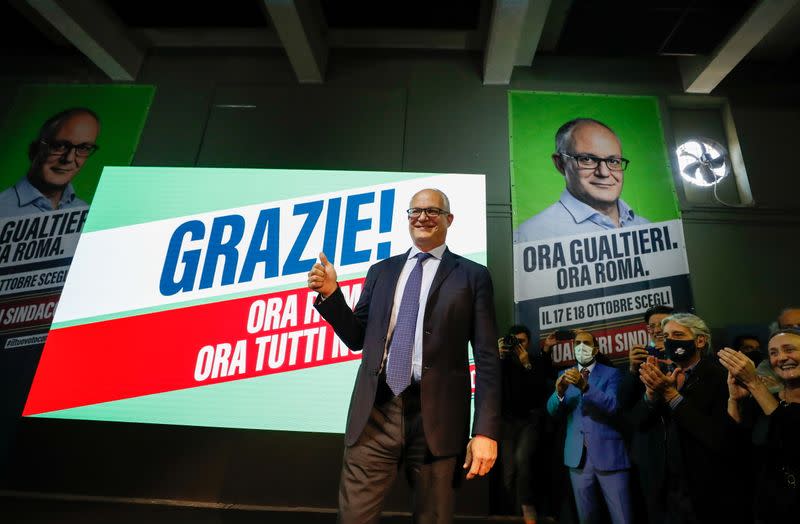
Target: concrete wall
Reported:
[(430, 112)]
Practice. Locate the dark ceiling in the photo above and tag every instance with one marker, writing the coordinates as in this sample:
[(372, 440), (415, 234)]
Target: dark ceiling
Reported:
[(630, 28), (155, 13), (596, 28), (411, 14)]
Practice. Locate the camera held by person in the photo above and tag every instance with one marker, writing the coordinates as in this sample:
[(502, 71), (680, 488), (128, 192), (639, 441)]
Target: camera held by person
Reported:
[(511, 343)]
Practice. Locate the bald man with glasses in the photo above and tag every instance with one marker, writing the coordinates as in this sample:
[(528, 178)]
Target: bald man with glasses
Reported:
[(589, 156), (64, 144), (410, 407)]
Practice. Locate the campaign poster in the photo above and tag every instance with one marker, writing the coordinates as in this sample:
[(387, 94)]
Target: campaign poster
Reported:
[(54, 142), (598, 237), (187, 299)]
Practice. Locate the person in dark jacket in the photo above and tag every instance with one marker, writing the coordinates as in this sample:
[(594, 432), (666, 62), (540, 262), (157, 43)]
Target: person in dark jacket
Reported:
[(528, 378), (683, 418), (777, 423)]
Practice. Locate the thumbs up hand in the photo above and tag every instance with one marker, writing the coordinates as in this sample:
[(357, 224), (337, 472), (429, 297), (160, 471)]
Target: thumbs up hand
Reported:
[(322, 277)]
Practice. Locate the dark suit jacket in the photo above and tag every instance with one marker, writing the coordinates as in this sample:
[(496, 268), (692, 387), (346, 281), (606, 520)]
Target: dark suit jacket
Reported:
[(698, 443), (460, 309)]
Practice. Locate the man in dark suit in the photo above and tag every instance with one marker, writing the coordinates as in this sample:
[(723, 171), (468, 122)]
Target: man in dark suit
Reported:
[(695, 460), (594, 449), (411, 401)]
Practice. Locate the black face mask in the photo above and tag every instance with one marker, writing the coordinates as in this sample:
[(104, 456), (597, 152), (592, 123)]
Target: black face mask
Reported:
[(679, 350)]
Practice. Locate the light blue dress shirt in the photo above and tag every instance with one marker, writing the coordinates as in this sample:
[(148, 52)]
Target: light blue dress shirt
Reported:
[(428, 272), (570, 216), (24, 199)]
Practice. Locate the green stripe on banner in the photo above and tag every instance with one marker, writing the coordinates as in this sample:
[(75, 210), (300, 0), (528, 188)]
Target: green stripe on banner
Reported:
[(309, 400), (480, 257), (126, 196)]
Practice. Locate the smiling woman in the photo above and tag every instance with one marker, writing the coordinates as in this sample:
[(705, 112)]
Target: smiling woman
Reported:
[(777, 428)]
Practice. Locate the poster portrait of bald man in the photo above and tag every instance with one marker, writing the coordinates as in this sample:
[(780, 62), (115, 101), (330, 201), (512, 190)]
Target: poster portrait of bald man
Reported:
[(589, 156), (64, 144)]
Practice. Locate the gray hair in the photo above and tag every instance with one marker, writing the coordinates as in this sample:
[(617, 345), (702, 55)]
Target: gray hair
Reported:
[(694, 323), (445, 200), (564, 133)]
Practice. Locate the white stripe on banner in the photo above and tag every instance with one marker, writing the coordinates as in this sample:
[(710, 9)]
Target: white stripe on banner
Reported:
[(124, 269), (30, 281), (40, 236), (599, 260), (603, 308)]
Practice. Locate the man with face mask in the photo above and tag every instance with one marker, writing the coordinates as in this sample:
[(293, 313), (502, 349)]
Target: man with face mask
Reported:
[(750, 345), (690, 466), (594, 450)]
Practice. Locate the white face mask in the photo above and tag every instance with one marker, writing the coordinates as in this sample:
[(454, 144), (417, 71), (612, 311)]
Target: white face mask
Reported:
[(584, 354)]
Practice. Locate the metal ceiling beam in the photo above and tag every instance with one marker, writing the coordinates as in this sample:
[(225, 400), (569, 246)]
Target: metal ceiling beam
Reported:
[(703, 74), (208, 37), (531, 32), (782, 42), (299, 27), (554, 25), (505, 34), (96, 31)]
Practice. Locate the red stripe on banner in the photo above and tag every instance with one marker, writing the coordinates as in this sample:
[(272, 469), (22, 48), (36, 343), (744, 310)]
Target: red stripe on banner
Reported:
[(28, 312), (185, 348), (615, 343), (472, 377)]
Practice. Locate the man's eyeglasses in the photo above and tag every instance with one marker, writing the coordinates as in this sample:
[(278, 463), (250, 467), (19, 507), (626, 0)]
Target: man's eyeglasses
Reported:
[(586, 161), (432, 212), (63, 147)]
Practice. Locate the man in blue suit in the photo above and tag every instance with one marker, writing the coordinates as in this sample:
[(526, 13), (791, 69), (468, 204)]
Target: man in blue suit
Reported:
[(593, 450), (411, 400)]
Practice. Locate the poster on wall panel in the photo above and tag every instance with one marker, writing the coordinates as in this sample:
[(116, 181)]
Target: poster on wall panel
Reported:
[(54, 142), (187, 302), (598, 238)]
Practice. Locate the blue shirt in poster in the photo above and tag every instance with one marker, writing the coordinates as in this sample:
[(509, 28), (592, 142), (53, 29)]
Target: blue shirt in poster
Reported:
[(24, 199), (570, 216)]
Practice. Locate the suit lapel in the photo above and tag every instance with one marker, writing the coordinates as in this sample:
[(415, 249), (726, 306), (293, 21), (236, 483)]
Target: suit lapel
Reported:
[(393, 273), (447, 265)]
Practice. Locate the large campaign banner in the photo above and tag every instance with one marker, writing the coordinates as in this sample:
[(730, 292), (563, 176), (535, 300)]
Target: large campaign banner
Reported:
[(598, 238), (54, 142), (186, 302)]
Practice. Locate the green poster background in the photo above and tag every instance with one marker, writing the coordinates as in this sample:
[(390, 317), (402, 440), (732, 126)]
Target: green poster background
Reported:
[(534, 118), (122, 110)]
